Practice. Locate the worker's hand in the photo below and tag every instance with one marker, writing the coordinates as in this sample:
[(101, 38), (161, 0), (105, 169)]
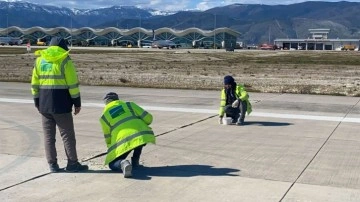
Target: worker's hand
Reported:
[(77, 110), (235, 104), (220, 120)]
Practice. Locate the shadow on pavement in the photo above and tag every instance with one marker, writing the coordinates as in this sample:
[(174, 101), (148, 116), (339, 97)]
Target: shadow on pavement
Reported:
[(265, 123), (145, 173)]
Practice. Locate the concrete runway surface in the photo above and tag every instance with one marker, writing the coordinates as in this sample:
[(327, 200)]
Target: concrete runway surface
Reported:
[(292, 148)]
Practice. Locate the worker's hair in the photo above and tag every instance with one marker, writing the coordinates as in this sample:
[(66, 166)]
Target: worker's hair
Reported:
[(228, 80), (109, 97), (58, 41)]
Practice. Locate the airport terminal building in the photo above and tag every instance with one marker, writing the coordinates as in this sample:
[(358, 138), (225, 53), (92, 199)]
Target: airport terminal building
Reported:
[(318, 40), (135, 37)]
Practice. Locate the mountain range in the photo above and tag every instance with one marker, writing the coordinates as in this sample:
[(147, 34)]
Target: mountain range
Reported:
[(257, 23)]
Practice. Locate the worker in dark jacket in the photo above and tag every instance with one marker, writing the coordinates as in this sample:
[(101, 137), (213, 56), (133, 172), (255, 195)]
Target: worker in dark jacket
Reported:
[(55, 88), (234, 101)]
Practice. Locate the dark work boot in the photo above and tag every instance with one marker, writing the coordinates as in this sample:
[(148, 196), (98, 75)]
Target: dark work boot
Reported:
[(54, 167), (233, 120), (240, 122), (77, 167), (236, 118)]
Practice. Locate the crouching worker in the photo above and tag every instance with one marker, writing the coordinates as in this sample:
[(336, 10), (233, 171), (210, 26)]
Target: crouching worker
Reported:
[(234, 102), (126, 128)]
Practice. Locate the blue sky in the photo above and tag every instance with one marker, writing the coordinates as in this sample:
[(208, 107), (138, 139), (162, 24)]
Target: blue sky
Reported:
[(165, 5)]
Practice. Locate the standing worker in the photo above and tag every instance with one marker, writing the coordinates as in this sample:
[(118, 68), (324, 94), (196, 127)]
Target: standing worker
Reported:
[(234, 102), (126, 127), (55, 88)]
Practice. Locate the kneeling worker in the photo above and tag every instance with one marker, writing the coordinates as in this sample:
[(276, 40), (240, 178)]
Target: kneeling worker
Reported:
[(126, 128), (234, 101)]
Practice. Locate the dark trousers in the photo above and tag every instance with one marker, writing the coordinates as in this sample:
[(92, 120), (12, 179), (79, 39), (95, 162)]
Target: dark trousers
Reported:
[(66, 127), (238, 112), (115, 164)]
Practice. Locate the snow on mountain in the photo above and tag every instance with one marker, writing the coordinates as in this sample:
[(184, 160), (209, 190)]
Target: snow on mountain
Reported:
[(23, 5)]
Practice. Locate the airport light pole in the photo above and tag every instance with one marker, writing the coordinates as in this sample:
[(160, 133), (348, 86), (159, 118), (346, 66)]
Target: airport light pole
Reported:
[(139, 24), (214, 30), (139, 7), (139, 40), (269, 35), (7, 20), (7, 24), (71, 25)]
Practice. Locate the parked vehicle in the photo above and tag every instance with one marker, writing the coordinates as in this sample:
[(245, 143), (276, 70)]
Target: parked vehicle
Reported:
[(10, 41), (163, 44), (41, 42), (348, 47), (265, 46)]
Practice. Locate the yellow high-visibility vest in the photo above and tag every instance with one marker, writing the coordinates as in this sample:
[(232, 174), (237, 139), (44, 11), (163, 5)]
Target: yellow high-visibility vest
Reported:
[(125, 126)]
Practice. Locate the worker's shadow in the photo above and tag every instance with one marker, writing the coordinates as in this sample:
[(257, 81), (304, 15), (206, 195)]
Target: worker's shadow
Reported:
[(267, 123), (145, 173)]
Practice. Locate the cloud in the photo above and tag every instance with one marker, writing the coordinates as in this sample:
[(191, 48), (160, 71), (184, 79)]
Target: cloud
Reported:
[(165, 5), (205, 5)]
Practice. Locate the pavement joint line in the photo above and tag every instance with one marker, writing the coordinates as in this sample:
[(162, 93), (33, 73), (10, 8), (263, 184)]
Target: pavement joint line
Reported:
[(161, 134), (316, 154), (211, 111), (28, 180)]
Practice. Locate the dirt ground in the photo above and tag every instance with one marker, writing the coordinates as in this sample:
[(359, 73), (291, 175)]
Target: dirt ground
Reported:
[(307, 72)]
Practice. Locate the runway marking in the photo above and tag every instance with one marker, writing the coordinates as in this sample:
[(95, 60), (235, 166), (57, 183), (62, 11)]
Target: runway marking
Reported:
[(212, 111)]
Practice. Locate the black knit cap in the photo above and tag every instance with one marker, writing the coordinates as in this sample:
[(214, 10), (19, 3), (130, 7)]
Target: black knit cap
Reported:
[(109, 97), (58, 41), (228, 80)]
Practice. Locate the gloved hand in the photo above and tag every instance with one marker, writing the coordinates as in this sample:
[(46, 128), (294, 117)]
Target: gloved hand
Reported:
[(220, 120), (235, 104)]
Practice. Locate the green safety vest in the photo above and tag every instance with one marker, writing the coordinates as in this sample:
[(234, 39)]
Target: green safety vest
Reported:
[(241, 94), (125, 126)]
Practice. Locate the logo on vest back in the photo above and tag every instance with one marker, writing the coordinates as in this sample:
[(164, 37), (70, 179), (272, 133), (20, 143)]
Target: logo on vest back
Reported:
[(117, 111), (45, 66)]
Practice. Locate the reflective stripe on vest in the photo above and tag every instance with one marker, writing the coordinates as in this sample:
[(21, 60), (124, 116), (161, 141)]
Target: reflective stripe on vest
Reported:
[(130, 108), (51, 77), (128, 139), (107, 136), (105, 120), (121, 122), (142, 116), (53, 87)]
